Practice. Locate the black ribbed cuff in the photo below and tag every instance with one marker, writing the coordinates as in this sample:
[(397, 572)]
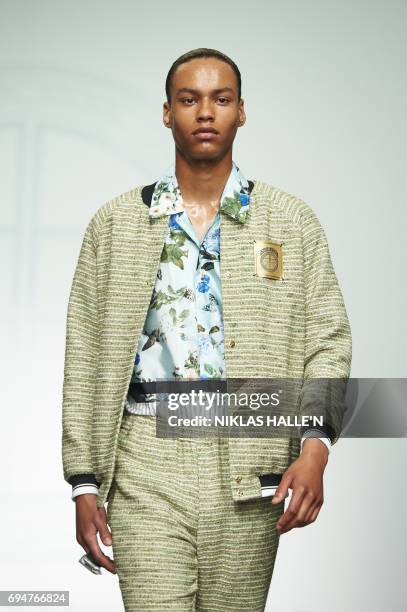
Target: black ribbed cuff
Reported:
[(82, 479), (325, 429)]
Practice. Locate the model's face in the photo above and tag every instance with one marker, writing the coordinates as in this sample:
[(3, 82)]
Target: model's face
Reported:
[(204, 95)]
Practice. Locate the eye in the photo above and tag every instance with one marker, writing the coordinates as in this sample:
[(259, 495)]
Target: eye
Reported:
[(187, 99), (223, 99)]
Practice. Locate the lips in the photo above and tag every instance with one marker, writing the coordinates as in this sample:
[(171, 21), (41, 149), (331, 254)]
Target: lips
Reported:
[(207, 130), (205, 134)]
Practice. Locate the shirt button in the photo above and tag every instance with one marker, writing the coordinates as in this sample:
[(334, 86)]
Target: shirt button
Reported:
[(238, 479), (232, 343), (240, 492)]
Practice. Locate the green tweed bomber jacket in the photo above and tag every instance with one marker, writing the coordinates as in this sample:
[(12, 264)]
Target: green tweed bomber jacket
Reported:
[(295, 326)]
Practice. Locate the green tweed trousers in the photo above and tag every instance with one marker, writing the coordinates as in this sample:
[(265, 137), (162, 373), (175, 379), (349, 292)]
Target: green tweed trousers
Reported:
[(180, 542)]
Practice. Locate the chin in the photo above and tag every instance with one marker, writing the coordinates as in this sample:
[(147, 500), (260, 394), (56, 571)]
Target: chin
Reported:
[(207, 155)]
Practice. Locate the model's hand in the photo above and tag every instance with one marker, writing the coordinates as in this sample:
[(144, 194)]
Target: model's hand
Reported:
[(305, 478), (91, 520)]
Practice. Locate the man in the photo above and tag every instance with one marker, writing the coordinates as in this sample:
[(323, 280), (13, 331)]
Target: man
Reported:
[(203, 275)]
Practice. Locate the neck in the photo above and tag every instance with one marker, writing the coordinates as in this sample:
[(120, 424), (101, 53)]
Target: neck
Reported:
[(201, 181)]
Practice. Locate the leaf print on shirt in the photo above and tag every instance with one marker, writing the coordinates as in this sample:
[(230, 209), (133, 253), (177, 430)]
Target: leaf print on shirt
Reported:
[(232, 204), (136, 375), (172, 253), (208, 255), (192, 363), (160, 298), (209, 265), (177, 374), (155, 336), (209, 250), (236, 206), (212, 304), (215, 338), (189, 294), (217, 343), (176, 320), (177, 236), (213, 372)]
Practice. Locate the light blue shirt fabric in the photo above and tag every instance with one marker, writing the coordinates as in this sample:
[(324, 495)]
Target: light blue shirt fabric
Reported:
[(183, 336)]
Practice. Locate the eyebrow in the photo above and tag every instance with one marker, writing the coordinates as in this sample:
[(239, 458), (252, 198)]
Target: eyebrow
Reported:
[(194, 91)]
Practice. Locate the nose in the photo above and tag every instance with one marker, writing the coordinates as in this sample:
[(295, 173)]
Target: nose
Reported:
[(205, 110)]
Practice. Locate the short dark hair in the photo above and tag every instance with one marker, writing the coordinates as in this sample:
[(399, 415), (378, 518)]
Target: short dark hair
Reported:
[(197, 53)]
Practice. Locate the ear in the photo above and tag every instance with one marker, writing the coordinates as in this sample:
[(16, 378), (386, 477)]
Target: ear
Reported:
[(166, 114), (242, 114)]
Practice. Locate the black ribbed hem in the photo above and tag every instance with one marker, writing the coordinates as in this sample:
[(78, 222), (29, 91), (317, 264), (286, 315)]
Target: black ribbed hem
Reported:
[(270, 480), (81, 479), (326, 430)]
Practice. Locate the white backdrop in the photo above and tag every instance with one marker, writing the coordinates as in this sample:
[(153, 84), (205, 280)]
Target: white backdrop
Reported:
[(81, 93)]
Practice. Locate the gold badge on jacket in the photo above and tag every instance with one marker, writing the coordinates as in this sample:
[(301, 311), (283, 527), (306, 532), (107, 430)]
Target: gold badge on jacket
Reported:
[(268, 259)]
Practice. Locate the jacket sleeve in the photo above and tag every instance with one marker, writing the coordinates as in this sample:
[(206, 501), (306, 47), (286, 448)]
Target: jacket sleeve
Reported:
[(80, 366), (328, 345)]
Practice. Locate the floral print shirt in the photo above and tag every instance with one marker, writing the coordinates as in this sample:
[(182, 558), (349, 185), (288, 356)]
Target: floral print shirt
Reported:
[(183, 332)]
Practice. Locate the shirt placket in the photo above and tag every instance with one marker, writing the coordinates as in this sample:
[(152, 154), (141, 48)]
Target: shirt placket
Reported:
[(208, 313)]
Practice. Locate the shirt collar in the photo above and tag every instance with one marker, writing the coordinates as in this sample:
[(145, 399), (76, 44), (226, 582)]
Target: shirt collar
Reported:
[(234, 201)]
